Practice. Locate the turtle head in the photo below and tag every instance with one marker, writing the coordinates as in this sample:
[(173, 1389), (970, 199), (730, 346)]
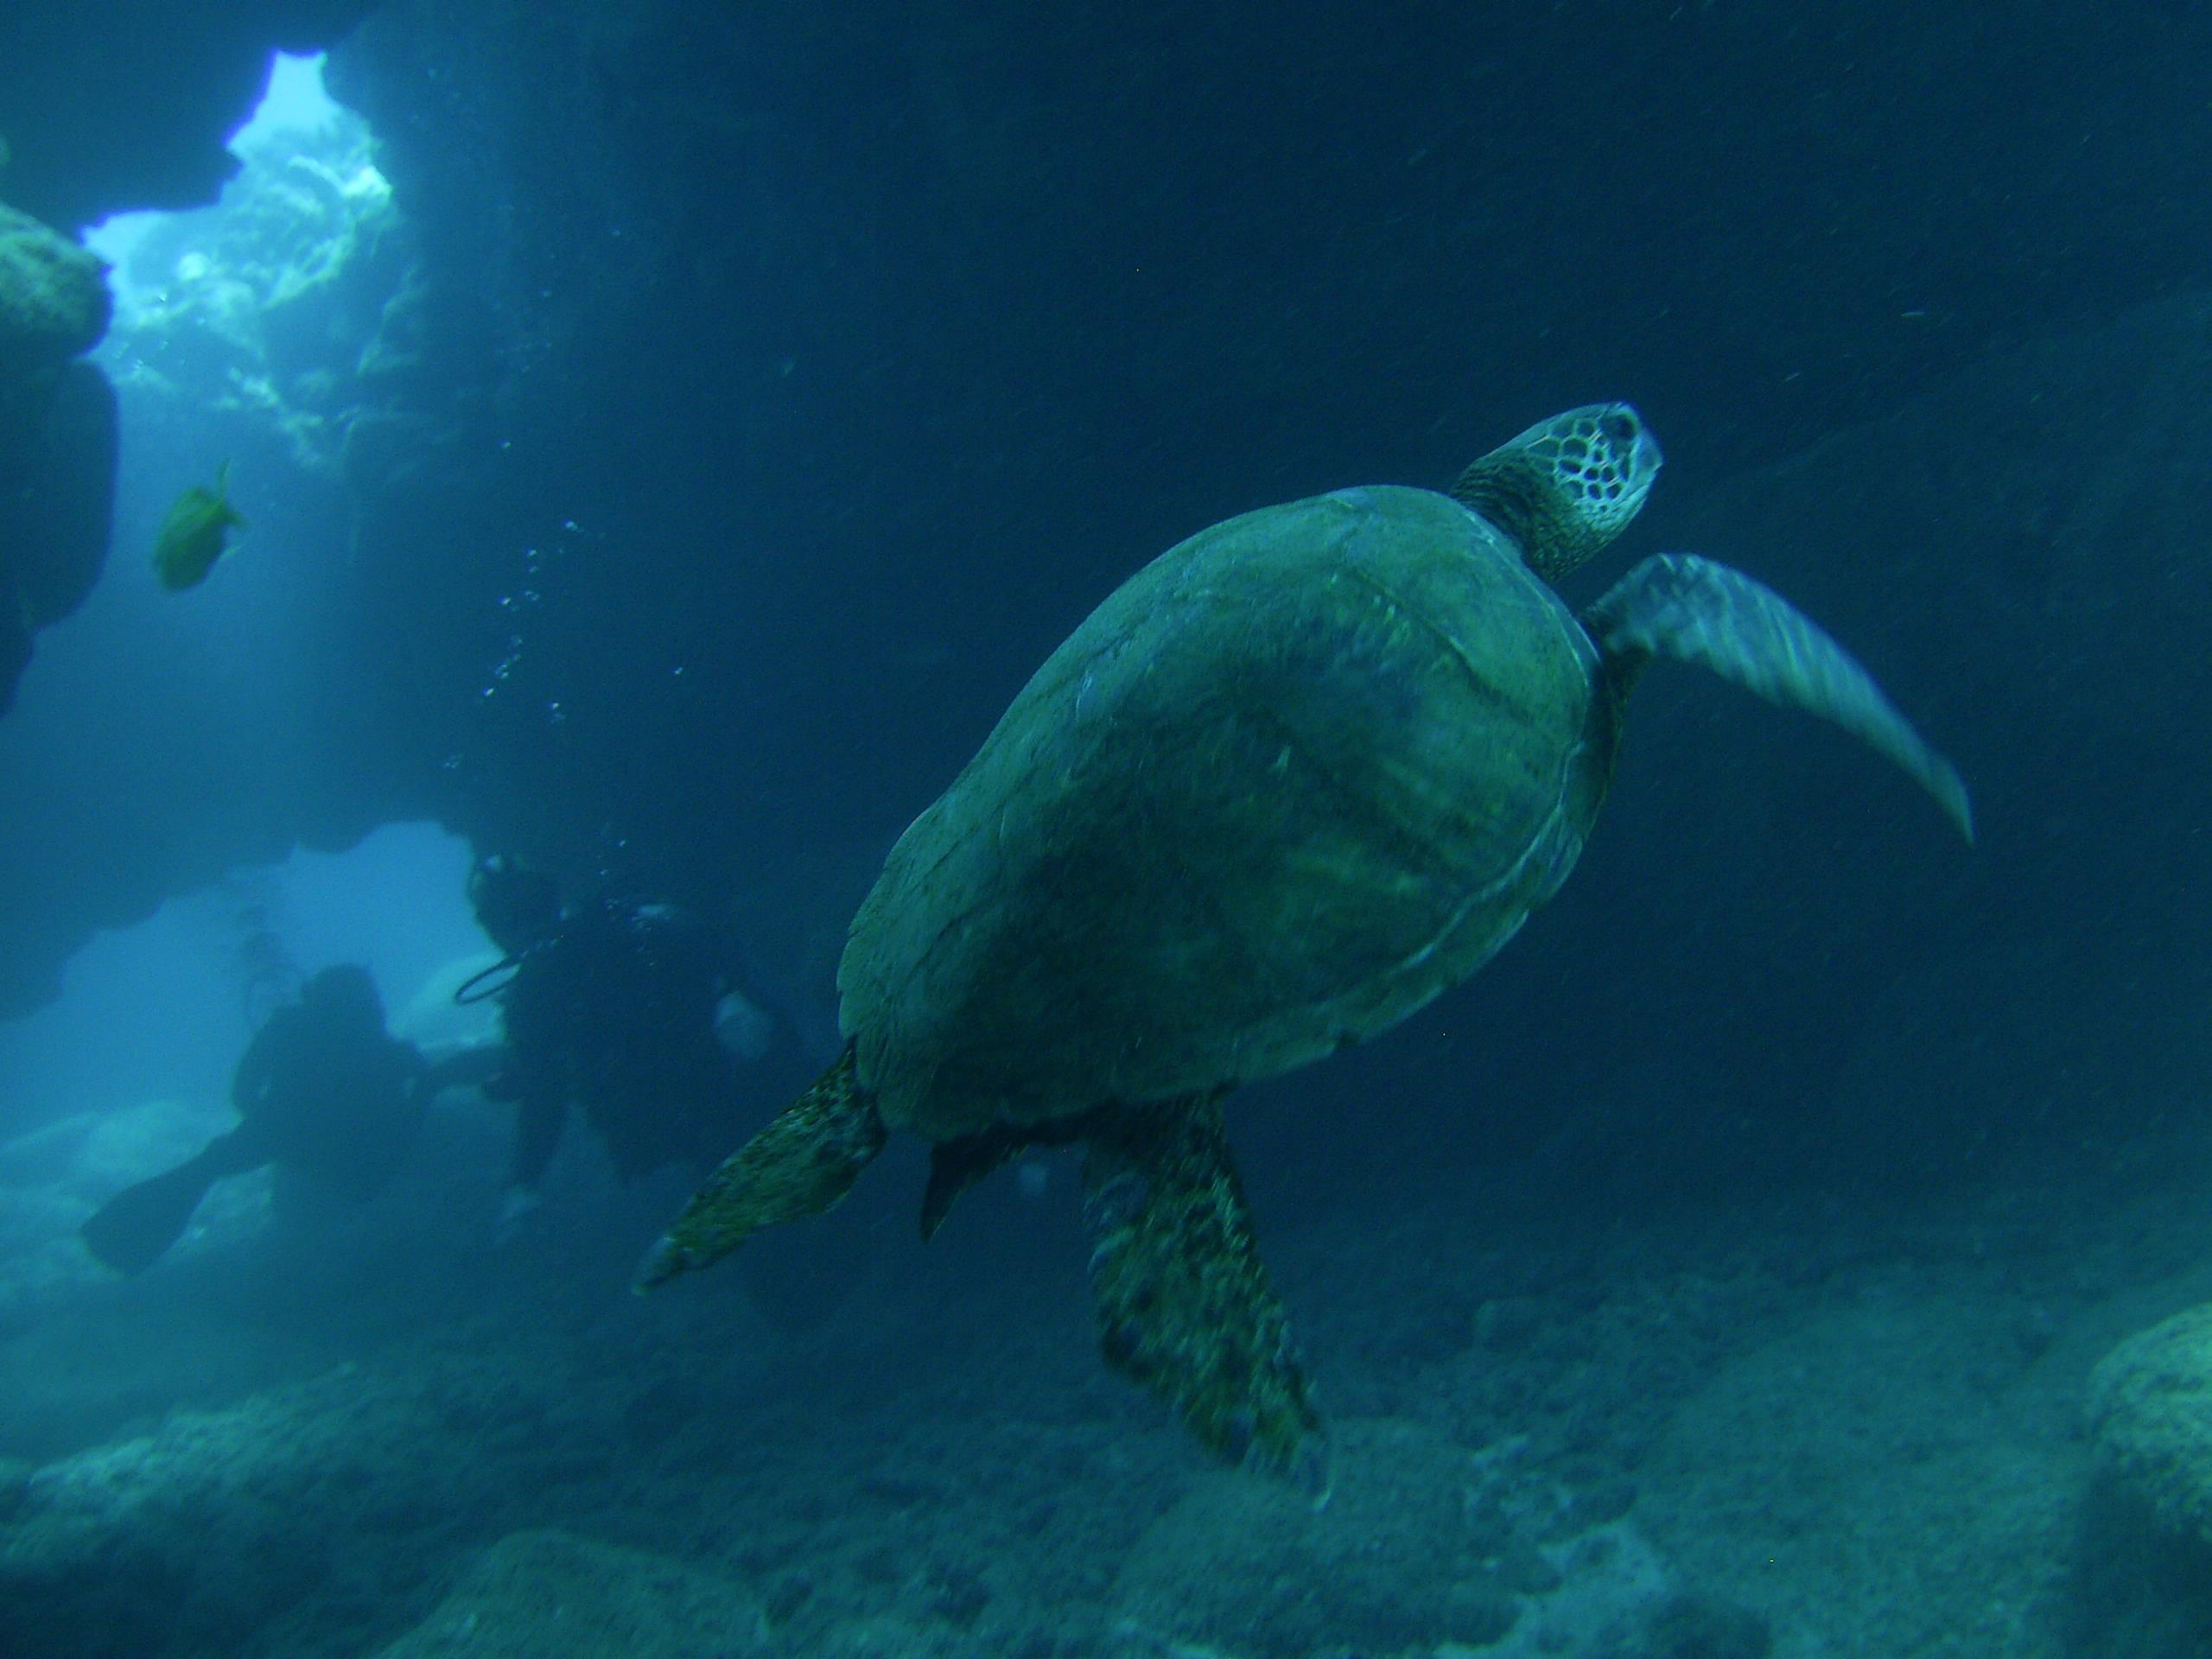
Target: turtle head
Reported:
[(1566, 486)]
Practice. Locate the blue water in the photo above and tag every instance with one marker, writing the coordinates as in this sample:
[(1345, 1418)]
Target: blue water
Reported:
[(669, 436)]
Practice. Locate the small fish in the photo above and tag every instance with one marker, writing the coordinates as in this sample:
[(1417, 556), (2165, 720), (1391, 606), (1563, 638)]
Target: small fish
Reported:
[(195, 534)]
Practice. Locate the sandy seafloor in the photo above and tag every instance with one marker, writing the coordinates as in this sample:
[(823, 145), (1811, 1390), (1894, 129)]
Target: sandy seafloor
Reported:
[(1737, 1429)]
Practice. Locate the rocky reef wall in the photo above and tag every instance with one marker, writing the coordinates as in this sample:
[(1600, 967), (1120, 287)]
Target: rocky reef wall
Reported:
[(125, 112), (57, 434)]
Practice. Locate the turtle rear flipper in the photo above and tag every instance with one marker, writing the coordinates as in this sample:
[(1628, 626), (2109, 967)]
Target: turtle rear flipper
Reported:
[(1184, 1303), (1693, 610), (802, 1163), (955, 1165)]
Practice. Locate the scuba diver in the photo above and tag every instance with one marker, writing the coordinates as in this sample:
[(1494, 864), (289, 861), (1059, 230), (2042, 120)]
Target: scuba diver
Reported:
[(323, 1089), (638, 1015)]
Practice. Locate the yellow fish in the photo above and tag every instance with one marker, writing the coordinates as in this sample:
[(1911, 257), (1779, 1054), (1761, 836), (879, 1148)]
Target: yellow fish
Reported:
[(194, 535)]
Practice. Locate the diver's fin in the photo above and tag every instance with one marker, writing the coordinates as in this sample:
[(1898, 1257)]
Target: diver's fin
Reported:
[(801, 1164), (1184, 1303), (132, 1230)]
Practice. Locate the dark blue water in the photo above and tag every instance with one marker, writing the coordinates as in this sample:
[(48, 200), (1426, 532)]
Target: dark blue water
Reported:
[(664, 467)]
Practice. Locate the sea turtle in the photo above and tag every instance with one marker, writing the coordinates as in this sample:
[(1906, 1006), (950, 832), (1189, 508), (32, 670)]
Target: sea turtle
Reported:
[(1296, 776)]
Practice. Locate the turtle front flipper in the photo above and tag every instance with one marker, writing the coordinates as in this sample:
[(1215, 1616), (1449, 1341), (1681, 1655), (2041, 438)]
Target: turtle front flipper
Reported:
[(803, 1162), (1693, 610), (1184, 1303)]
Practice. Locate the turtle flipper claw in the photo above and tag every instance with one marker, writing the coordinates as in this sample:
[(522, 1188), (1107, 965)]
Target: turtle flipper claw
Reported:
[(665, 1261)]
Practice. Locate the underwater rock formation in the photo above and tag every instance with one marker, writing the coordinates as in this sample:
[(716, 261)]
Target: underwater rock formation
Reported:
[(542, 1594), (52, 1179), (191, 1536), (2151, 1409), (53, 298), (133, 114), (129, 108), (57, 434), (1422, 1543)]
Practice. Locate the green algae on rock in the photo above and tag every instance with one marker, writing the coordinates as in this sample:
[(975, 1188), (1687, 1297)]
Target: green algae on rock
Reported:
[(53, 298)]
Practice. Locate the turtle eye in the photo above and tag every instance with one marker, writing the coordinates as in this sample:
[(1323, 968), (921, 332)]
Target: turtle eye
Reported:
[(1619, 425)]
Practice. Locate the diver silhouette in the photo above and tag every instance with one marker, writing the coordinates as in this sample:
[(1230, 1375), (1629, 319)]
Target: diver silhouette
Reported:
[(638, 1015), (323, 1089)]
